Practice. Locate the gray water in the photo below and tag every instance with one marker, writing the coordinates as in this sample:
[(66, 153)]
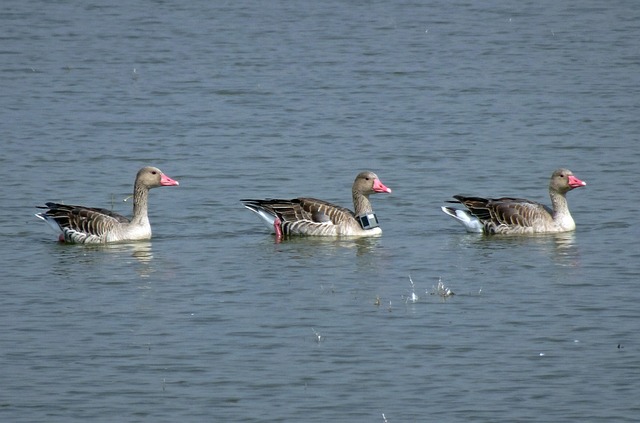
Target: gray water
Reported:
[(212, 320)]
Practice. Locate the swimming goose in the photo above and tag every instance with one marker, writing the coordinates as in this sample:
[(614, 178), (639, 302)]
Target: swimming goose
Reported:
[(517, 215), (85, 225), (309, 216)]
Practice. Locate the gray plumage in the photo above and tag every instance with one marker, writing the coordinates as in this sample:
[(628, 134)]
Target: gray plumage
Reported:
[(87, 225), (509, 215), (310, 216)]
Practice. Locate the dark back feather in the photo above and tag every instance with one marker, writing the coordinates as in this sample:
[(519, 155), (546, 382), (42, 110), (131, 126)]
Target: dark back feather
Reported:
[(504, 211), (94, 221)]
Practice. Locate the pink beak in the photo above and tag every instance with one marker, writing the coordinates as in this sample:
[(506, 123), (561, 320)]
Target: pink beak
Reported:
[(380, 187), (165, 181), (575, 182)]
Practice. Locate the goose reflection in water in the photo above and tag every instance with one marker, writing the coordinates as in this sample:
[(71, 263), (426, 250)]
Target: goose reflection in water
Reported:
[(560, 247)]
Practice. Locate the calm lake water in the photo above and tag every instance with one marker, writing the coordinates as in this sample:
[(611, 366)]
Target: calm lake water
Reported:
[(213, 321)]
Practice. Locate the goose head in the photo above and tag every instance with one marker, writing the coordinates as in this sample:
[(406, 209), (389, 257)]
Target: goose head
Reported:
[(152, 177), (563, 181), (367, 183)]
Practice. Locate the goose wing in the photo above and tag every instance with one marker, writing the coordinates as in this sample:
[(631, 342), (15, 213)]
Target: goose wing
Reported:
[(79, 223), (320, 211), (307, 216), (506, 211)]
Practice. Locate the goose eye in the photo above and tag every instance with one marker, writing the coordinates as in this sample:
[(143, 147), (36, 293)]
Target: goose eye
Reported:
[(153, 172)]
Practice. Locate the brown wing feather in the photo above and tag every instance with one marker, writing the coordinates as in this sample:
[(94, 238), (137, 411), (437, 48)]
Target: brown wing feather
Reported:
[(93, 221), (477, 206), (304, 215), (320, 211), (504, 211), (302, 209), (513, 212)]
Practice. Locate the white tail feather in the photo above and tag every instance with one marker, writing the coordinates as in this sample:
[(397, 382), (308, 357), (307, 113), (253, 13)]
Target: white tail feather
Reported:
[(470, 223), (51, 222), (266, 217)]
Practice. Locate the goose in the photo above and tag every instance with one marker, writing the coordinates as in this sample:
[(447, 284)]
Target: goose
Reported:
[(86, 225), (310, 216), (517, 215)]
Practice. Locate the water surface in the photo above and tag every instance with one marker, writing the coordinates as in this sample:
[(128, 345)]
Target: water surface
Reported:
[(213, 321)]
